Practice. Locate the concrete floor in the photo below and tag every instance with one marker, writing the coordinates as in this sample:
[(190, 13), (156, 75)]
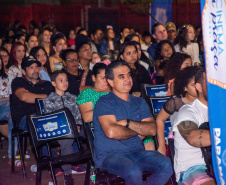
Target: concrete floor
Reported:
[(6, 178)]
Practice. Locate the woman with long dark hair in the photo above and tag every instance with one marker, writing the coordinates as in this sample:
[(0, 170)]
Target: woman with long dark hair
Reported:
[(176, 62), (109, 45), (184, 43), (59, 43), (78, 79), (5, 58), (163, 52), (30, 42), (185, 92), (40, 54), (16, 56), (5, 91), (129, 53), (44, 40), (87, 98)]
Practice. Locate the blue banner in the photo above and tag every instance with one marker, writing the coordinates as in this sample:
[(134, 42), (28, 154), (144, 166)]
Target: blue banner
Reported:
[(51, 126), (214, 39), (161, 10)]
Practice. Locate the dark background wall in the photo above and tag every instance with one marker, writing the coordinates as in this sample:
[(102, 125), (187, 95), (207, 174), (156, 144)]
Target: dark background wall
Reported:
[(71, 15)]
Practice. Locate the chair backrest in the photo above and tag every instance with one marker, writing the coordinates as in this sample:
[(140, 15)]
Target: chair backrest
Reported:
[(90, 138), (171, 150), (156, 104), (12, 109), (50, 127), (207, 152), (153, 90), (39, 105)]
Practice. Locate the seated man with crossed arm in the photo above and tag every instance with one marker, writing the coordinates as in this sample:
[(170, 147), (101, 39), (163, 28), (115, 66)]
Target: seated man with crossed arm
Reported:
[(120, 121)]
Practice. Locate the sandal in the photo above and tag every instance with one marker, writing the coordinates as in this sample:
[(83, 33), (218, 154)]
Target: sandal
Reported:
[(18, 163)]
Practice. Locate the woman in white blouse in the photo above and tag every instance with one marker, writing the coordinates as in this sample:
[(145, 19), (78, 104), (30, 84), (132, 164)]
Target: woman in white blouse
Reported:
[(16, 56), (184, 43), (5, 115)]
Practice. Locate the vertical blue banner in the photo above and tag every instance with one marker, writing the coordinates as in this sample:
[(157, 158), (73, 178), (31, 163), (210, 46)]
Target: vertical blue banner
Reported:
[(214, 39), (161, 10)]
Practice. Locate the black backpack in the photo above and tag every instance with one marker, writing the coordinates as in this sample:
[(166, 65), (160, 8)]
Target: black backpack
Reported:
[(206, 151)]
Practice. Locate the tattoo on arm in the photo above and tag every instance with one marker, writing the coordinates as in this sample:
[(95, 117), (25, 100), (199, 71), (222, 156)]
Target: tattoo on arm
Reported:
[(186, 127), (200, 137)]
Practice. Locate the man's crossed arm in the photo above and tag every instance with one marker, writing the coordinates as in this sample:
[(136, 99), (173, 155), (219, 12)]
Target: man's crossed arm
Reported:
[(117, 129)]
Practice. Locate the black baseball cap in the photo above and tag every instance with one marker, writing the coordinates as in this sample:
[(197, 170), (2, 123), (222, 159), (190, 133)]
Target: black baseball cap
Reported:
[(28, 61)]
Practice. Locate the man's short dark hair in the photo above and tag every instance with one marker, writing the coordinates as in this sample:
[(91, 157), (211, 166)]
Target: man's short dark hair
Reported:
[(64, 53), (146, 34), (130, 37), (199, 77), (153, 29), (109, 71), (122, 29), (182, 79), (55, 75), (95, 31), (18, 36)]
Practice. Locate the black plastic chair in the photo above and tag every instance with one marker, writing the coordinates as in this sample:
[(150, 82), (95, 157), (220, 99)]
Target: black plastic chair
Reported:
[(172, 153), (156, 104), (39, 106), (207, 153), (21, 136), (44, 129), (103, 177), (3, 122)]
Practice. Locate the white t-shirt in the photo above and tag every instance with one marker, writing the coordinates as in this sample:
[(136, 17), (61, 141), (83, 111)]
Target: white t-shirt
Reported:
[(186, 155), (144, 48), (5, 89), (14, 71), (144, 64), (192, 50)]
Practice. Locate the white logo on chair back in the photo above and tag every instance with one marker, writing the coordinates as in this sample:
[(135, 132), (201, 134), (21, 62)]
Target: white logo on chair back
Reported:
[(50, 126)]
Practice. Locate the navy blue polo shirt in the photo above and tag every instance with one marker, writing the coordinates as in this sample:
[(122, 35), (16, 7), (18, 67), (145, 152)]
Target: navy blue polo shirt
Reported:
[(21, 108), (135, 109)]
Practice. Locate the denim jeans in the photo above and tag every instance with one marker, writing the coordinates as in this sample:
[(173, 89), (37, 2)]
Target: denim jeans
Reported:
[(66, 147), (23, 123), (131, 166), (5, 115)]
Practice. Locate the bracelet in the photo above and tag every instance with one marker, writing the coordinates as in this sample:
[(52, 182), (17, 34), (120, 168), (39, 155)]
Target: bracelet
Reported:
[(128, 122)]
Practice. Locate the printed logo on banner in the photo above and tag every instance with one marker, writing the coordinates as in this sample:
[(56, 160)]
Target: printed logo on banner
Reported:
[(161, 15), (217, 140), (213, 20)]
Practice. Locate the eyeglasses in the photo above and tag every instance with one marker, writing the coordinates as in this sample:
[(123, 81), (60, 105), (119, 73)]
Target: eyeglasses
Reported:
[(72, 59), (5, 56)]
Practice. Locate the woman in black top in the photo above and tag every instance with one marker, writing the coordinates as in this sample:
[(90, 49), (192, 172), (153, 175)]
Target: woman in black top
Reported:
[(128, 52), (78, 79), (185, 92)]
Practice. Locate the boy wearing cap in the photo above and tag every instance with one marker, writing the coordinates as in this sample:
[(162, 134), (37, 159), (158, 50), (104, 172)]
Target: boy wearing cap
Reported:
[(26, 89)]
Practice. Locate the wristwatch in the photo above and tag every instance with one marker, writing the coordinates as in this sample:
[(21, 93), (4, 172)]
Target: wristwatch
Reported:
[(128, 122)]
